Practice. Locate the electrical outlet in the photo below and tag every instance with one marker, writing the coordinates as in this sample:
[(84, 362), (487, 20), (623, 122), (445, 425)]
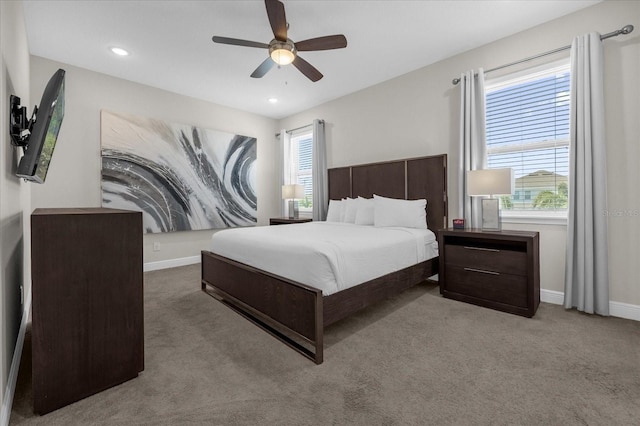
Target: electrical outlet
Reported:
[(156, 246)]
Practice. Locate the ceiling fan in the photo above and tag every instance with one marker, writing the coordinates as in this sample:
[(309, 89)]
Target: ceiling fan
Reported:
[(282, 50)]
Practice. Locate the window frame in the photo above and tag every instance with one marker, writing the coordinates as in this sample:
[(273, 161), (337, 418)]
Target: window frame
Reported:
[(543, 216), (294, 172)]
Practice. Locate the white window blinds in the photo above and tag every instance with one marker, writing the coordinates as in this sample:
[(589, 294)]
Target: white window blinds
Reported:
[(302, 161), (527, 129)]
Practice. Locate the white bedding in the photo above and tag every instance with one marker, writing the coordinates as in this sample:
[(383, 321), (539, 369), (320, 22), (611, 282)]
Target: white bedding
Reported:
[(326, 255)]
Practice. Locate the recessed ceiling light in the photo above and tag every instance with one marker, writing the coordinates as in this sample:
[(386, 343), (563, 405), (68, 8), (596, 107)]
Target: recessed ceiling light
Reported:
[(273, 100), (119, 51)]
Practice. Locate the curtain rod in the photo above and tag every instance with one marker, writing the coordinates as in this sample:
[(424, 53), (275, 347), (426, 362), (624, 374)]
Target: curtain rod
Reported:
[(297, 128), (624, 30)]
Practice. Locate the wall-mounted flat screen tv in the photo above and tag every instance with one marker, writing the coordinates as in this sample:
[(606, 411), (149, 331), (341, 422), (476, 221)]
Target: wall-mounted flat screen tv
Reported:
[(46, 125)]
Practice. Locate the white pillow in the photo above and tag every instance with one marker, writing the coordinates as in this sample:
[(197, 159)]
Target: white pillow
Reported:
[(350, 210), (366, 207), (343, 210), (334, 214), (405, 213)]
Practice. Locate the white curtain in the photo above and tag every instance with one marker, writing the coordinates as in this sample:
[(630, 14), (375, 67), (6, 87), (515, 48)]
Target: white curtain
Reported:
[(285, 167), (587, 271), (472, 146), (319, 172)]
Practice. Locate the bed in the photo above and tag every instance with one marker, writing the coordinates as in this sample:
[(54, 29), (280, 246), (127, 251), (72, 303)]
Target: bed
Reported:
[(296, 312)]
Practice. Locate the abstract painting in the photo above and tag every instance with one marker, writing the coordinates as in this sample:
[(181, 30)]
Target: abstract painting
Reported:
[(180, 177)]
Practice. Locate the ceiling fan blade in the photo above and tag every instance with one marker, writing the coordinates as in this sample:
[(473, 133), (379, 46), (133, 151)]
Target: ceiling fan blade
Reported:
[(337, 41), (277, 19), (238, 42), (307, 69), (263, 68)]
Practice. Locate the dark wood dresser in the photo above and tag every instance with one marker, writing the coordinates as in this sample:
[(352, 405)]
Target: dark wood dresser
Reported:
[(495, 269), (87, 302)]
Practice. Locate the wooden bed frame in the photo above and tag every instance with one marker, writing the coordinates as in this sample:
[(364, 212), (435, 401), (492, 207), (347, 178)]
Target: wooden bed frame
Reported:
[(297, 313)]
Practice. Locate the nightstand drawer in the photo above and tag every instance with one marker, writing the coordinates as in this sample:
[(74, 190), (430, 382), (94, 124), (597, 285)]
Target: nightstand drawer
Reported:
[(488, 285), (492, 258)]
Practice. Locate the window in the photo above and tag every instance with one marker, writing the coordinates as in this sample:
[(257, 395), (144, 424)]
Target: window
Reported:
[(527, 129), (300, 162)]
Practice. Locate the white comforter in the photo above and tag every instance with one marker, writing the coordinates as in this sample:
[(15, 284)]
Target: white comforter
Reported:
[(326, 255)]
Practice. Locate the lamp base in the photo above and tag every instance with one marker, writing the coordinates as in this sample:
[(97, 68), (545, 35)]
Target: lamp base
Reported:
[(491, 214), (293, 209)]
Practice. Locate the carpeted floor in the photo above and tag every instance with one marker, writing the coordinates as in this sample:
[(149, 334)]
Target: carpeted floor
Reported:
[(415, 359)]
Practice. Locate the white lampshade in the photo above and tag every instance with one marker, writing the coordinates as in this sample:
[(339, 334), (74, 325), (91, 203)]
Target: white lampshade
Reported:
[(490, 182), (292, 192)]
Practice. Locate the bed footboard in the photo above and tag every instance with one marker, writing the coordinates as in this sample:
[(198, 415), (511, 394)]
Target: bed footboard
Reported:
[(290, 311), (346, 302)]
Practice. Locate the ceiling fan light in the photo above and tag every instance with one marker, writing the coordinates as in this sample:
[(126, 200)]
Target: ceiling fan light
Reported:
[(282, 56)]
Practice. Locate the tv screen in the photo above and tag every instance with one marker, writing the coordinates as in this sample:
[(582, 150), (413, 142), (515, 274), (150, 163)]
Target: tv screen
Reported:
[(42, 141)]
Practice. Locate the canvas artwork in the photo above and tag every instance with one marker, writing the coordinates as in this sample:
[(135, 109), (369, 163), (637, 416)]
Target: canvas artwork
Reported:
[(180, 177)]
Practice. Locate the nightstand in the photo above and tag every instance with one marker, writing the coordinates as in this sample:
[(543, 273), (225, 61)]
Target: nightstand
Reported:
[(494, 269), (287, 221)]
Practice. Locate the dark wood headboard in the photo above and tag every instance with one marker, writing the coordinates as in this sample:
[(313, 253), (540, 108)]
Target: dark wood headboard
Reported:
[(409, 179)]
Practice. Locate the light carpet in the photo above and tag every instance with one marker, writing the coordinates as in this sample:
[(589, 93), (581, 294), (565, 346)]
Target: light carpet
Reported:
[(416, 359)]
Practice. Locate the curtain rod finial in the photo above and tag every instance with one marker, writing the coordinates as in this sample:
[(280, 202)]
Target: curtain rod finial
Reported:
[(455, 81), (627, 29)]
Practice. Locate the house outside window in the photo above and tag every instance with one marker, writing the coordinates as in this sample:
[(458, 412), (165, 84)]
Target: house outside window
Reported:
[(300, 161), (527, 129)]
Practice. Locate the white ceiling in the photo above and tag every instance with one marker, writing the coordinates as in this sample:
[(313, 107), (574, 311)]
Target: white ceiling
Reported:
[(171, 47)]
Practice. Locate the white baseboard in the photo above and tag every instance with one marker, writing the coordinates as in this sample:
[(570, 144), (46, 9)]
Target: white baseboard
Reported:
[(624, 310), (551, 296), (616, 309), (12, 380), (171, 263)]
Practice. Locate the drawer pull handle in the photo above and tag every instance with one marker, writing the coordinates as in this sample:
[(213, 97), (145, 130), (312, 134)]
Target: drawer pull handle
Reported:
[(482, 271), (482, 249)]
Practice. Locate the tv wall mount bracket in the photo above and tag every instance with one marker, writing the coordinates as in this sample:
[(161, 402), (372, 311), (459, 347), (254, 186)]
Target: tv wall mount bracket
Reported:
[(19, 126)]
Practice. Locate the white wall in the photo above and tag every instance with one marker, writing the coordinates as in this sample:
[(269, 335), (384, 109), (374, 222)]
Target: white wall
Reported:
[(417, 114), (14, 202), (73, 179)]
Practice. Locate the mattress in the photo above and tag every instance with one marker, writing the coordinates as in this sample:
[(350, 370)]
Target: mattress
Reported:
[(329, 256)]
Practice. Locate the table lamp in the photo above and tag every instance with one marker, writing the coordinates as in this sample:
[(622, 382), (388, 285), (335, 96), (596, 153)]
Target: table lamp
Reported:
[(490, 182), (293, 193)]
